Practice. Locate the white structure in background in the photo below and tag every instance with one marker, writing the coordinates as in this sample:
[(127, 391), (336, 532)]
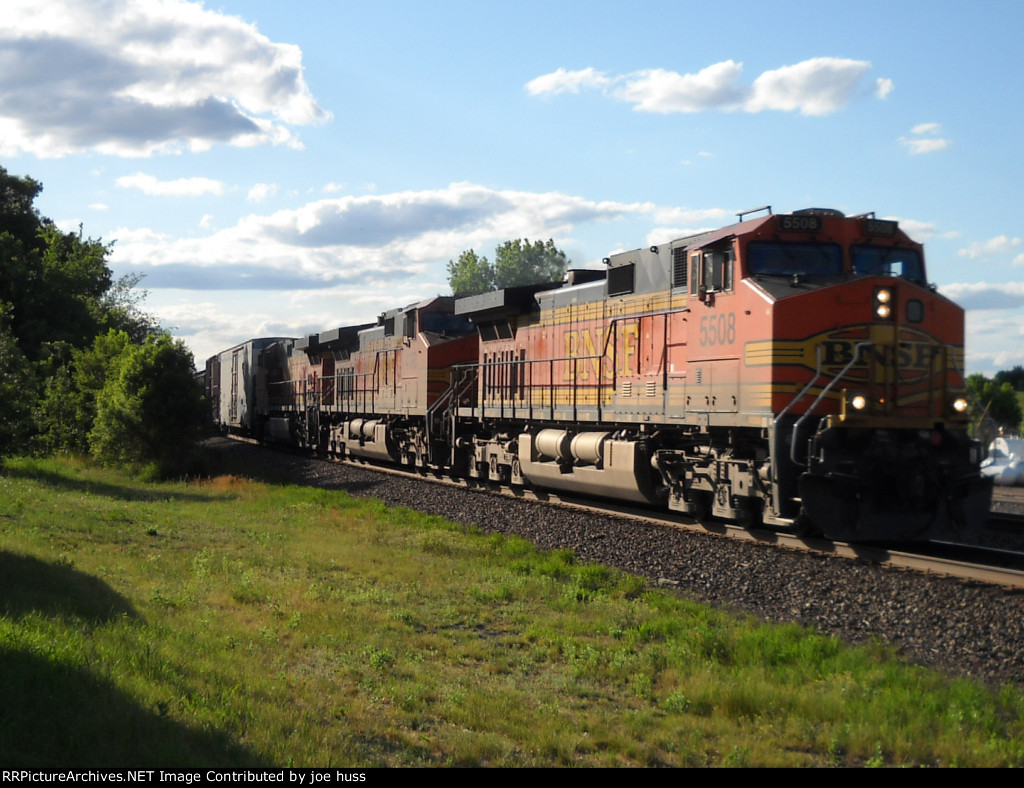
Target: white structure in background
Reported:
[(1005, 461)]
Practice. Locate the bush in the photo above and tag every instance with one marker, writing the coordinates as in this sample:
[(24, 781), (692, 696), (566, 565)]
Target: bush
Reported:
[(149, 411)]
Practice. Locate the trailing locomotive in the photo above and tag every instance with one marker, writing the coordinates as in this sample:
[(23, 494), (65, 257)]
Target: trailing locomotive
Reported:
[(794, 369)]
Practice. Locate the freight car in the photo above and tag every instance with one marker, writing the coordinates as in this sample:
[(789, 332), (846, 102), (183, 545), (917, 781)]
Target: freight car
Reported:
[(795, 370)]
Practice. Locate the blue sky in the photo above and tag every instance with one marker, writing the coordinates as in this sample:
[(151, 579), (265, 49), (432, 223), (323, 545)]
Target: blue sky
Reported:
[(285, 168)]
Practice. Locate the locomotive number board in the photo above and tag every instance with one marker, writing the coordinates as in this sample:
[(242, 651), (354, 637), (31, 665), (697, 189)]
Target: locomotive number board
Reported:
[(801, 224)]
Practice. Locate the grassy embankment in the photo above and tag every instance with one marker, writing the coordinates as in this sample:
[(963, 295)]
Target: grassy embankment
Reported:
[(234, 623)]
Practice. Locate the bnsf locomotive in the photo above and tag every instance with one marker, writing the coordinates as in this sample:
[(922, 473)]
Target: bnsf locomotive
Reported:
[(795, 370)]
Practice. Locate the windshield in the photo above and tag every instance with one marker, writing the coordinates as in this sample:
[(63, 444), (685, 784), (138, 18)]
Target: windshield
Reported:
[(882, 261), (771, 258)]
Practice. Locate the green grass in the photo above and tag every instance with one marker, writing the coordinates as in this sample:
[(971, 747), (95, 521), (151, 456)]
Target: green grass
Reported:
[(238, 623)]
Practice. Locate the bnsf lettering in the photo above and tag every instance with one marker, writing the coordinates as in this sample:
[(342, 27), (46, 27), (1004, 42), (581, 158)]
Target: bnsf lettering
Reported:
[(910, 355), (588, 345)]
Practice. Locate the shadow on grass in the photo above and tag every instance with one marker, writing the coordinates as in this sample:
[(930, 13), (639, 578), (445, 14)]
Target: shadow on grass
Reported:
[(92, 487), (28, 585), (59, 481), (56, 716)]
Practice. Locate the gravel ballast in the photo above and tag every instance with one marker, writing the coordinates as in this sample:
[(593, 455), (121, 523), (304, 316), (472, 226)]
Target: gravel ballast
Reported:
[(961, 628)]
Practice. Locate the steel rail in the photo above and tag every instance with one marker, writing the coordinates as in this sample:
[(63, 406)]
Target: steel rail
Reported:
[(883, 556)]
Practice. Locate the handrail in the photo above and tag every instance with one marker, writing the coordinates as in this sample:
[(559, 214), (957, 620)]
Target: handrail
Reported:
[(796, 427)]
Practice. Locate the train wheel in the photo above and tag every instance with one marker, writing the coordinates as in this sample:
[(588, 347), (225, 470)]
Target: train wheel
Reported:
[(702, 503), (748, 513)]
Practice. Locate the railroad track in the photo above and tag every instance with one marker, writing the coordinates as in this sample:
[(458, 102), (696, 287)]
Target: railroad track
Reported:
[(992, 566), (986, 565)]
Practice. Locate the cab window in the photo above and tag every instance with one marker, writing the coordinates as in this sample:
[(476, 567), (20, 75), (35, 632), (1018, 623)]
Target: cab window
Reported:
[(885, 261), (773, 258)]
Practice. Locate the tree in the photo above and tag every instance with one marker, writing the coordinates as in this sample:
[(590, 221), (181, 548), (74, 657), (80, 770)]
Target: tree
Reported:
[(120, 309), (57, 285), (111, 383), (62, 297), (996, 401), (18, 218), (515, 263), (67, 409), (1015, 377), (17, 393), (521, 263), (471, 274)]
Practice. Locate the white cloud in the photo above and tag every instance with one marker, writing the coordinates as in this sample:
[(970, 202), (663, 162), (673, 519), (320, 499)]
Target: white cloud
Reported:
[(657, 90), (341, 260), (688, 216), (681, 222), (99, 206), (562, 81), (261, 191), (994, 339), (919, 146), (818, 86), (926, 139), (1001, 244), (358, 239), (169, 75), (917, 230), (181, 187), (68, 225), (985, 295), (139, 236)]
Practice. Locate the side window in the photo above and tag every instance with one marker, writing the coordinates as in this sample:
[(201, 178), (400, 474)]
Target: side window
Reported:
[(717, 271), (694, 273), (711, 276)]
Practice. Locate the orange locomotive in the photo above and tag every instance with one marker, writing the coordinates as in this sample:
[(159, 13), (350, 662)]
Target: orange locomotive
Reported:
[(794, 369), (365, 390)]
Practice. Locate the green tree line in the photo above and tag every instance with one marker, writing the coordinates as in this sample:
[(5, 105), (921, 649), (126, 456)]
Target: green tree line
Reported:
[(83, 369), (516, 262)]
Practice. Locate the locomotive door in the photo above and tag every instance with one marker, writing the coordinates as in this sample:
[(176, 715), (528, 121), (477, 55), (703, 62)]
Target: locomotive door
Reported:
[(653, 343), (676, 352), (713, 386)]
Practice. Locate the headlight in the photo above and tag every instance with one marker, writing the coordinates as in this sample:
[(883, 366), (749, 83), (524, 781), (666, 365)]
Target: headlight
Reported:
[(858, 401), (883, 303), (960, 405)]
